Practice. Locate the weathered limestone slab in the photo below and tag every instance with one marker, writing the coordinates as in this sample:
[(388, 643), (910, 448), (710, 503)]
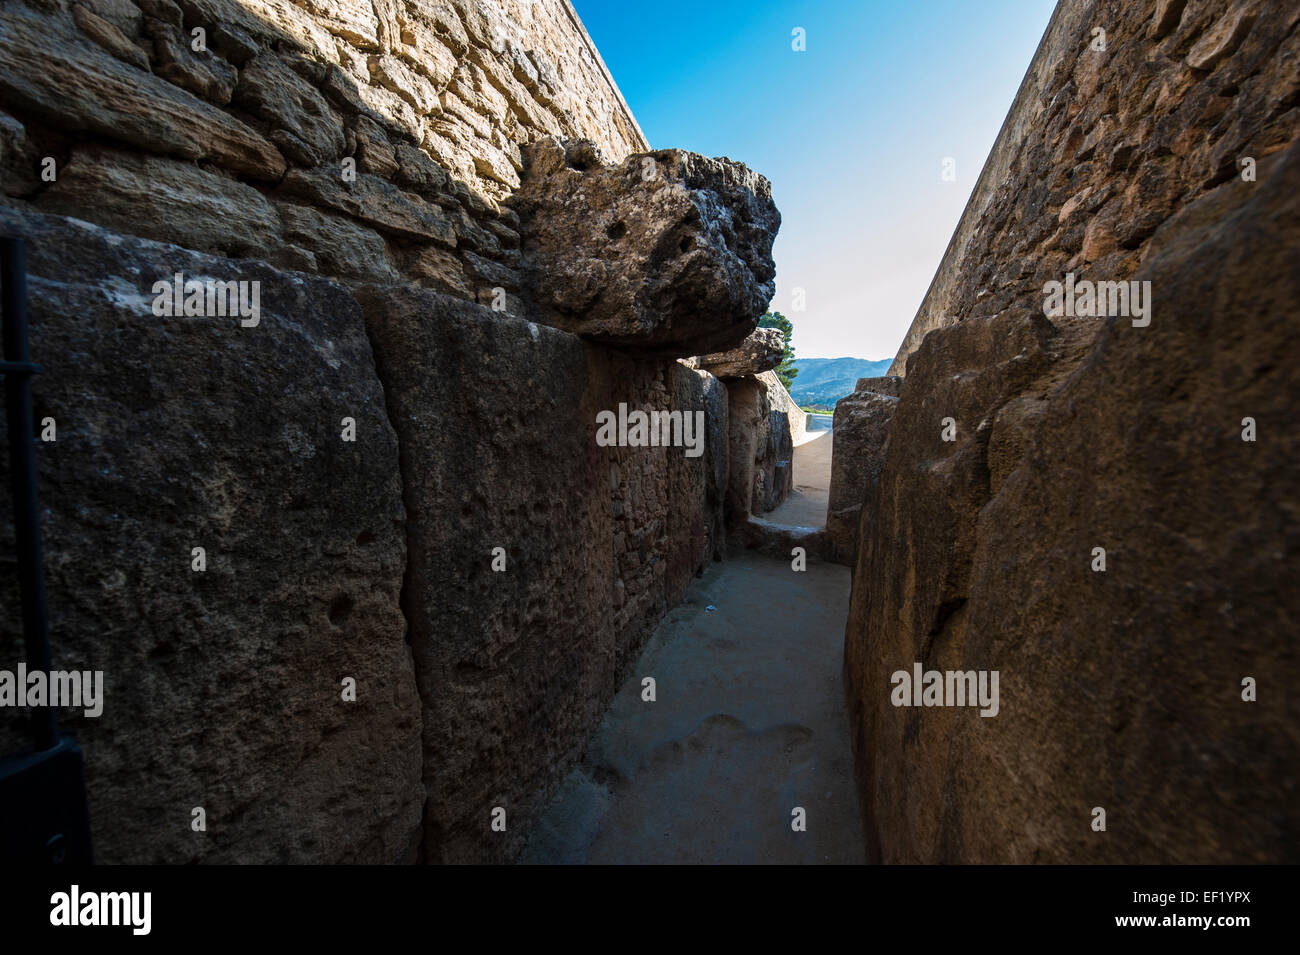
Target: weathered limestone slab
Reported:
[(373, 201), (1108, 534), (223, 688), (759, 434), (342, 249), (761, 351), (169, 201), (861, 429), (47, 67), (309, 132), (668, 252), (202, 74), (109, 36)]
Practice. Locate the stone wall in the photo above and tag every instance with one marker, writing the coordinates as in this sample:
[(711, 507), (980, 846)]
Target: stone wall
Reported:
[(779, 400), (364, 141), (475, 560), (223, 686), (861, 432), (1121, 683), (495, 419), (762, 446), (1181, 94)]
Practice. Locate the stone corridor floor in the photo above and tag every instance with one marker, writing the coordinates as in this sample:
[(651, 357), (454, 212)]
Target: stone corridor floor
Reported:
[(749, 722), (806, 504)]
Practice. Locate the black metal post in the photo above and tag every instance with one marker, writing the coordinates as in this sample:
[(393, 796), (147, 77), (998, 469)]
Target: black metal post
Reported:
[(22, 462)]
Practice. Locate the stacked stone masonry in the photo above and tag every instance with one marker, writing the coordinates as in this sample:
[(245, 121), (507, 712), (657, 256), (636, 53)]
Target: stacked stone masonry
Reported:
[(239, 148), (399, 178)]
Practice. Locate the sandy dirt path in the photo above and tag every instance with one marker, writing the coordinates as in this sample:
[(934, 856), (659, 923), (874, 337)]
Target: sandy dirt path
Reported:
[(749, 723), (806, 505)]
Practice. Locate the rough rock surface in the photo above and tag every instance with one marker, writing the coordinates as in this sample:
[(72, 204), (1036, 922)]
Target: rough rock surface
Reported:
[(1120, 689), (167, 201), (373, 145), (860, 435), (496, 418), (697, 487), (223, 687), (668, 252), (53, 72), (761, 351), (760, 475), (884, 385), (780, 400), (1101, 147), (429, 103)]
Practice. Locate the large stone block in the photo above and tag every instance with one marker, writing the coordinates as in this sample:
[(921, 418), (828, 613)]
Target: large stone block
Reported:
[(307, 130), (374, 201), (861, 429), (223, 687), (1120, 688), (760, 473), (761, 351), (496, 420), (669, 252), (166, 200)]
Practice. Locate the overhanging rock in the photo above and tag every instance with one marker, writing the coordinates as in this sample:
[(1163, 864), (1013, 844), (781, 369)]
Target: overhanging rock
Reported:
[(669, 252), (761, 351)]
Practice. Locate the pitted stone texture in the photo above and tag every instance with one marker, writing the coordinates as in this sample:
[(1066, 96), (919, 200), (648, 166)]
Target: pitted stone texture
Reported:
[(1100, 148), (760, 474), (497, 421), (223, 688), (51, 70), (761, 351), (883, 385), (669, 252), (1120, 689), (861, 430)]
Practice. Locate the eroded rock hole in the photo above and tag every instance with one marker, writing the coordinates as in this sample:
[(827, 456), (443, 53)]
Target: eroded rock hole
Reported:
[(341, 609)]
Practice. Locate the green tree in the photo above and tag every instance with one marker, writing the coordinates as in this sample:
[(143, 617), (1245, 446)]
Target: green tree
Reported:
[(786, 370)]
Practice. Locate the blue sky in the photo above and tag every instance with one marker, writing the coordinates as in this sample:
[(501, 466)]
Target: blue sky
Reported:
[(852, 132)]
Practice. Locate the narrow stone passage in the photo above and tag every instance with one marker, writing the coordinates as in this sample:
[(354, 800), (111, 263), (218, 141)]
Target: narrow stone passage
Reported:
[(749, 723), (806, 505)]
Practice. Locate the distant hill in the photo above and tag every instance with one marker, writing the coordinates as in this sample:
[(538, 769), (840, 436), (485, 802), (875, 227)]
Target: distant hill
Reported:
[(824, 381)]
